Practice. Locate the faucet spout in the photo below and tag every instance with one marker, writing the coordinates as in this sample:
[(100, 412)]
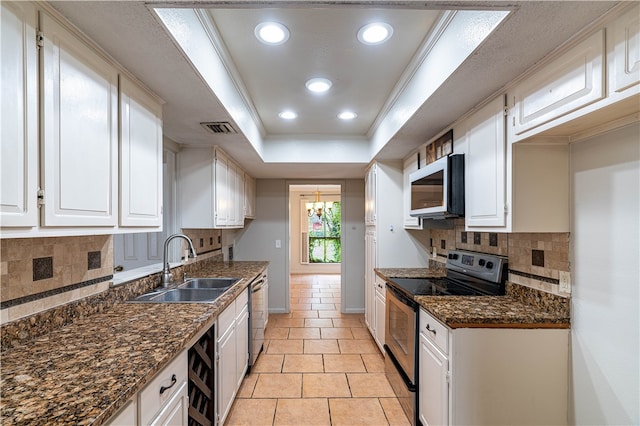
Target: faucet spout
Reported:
[(166, 273)]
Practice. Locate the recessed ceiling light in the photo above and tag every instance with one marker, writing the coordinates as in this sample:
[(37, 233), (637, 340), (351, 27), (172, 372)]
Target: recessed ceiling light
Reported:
[(347, 115), (318, 85), (272, 33), (375, 33), (288, 115)]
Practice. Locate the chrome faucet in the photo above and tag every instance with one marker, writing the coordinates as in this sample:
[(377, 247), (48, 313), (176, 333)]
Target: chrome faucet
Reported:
[(166, 274)]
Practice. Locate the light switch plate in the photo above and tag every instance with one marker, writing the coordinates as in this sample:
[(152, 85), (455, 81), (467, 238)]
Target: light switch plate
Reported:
[(278, 243), (565, 282)]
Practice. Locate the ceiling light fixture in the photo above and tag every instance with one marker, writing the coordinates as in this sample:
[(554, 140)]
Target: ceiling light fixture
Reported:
[(318, 85), (288, 115), (317, 207), (375, 33), (347, 115), (272, 33)]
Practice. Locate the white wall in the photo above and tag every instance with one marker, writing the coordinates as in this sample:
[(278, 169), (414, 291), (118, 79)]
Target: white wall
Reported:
[(257, 241), (605, 235)]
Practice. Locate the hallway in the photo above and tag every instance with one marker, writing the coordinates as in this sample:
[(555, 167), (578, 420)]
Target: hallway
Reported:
[(319, 367)]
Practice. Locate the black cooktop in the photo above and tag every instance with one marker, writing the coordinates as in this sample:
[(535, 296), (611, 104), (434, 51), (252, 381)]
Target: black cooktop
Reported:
[(434, 287)]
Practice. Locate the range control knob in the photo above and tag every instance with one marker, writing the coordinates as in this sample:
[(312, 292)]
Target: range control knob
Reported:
[(489, 265), (453, 256), (481, 262)]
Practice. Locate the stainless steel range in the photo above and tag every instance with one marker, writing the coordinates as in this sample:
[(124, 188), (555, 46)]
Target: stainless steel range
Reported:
[(468, 274)]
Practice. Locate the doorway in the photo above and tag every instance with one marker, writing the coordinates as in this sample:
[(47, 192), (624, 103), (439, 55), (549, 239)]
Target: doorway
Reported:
[(315, 231)]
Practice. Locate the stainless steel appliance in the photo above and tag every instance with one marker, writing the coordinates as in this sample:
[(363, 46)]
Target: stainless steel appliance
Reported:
[(468, 274), (437, 190), (258, 315)]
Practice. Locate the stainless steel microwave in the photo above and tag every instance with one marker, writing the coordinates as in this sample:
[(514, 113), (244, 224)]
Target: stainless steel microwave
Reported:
[(437, 190)]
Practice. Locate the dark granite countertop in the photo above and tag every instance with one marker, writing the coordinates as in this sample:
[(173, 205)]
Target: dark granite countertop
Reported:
[(83, 373), (520, 308)]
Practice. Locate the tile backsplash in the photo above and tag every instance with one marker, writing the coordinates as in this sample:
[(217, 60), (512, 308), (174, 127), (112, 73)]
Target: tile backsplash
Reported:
[(535, 259), (32, 266), (204, 240)]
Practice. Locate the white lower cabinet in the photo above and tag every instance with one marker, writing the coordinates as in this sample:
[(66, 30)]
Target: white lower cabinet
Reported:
[(164, 401), (490, 376), (127, 416), (232, 353), (433, 384), (176, 411), (370, 278), (380, 307)]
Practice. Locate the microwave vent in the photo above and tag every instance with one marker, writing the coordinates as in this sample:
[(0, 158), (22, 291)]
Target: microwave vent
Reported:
[(219, 127)]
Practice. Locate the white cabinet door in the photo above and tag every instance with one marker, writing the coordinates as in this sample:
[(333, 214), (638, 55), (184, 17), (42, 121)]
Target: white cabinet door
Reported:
[(226, 374), (79, 131), (485, 166), (140, 157), (176, 411), (369, 278), (570, 82), (221, 190), (433, 385), (626, 71), (242, 344), (370, 196), (410, 166), (249, 197), (19, 115), (236, 195), (380, 293)]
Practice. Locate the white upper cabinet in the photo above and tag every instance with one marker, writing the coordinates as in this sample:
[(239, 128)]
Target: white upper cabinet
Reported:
[(571, 81), (211, 189), (19, 115), (249, 197), (79, 131), (140, 157), (626, 38), (485, 165), (410, 166), (370, 195), (512, 187)]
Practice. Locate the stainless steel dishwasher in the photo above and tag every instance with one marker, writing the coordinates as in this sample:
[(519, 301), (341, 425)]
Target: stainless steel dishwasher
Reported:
[(258, 315)]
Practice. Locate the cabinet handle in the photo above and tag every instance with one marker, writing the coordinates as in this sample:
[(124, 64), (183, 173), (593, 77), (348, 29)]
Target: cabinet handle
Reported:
[(433, 330), (173, 382)]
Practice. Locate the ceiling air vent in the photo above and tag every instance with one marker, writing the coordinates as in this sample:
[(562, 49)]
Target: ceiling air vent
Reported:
[(219, 127)]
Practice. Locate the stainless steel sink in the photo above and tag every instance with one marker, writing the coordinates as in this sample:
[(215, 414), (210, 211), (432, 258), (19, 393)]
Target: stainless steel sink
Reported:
[(181, 295), (208, 283), (194, 290)]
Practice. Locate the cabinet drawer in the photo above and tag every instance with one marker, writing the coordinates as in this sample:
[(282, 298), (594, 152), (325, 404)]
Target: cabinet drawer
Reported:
[(242, 300), (434, 331), (226, 318), (151, 401)]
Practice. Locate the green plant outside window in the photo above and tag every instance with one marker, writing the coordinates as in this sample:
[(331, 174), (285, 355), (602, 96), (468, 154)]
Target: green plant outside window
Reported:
[(324, 233)]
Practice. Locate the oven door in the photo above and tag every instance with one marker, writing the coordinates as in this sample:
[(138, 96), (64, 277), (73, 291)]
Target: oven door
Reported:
[(400, 330)]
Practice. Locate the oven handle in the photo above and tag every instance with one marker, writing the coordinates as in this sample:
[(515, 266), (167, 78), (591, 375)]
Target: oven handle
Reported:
[(402, 297), (405, 378)]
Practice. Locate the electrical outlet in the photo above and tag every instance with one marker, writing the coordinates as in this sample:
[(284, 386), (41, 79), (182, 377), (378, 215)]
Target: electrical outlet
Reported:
[(565, 282)]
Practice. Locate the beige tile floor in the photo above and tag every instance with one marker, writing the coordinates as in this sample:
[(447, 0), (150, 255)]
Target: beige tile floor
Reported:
[(318, 367)]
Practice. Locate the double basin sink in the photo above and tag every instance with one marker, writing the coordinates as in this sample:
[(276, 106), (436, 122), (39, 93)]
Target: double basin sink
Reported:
[(193, 290)]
